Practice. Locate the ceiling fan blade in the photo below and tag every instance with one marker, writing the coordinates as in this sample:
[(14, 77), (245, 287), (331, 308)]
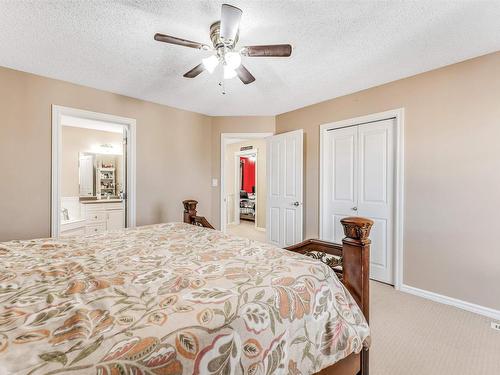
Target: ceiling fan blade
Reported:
[(244, 75), (275, 50), (179, 41), (195, 71), (229, 22)]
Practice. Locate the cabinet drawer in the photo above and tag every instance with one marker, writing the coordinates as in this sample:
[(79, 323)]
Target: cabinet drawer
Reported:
[(89, 207), (95, 228), (73, 232), (96, 216)]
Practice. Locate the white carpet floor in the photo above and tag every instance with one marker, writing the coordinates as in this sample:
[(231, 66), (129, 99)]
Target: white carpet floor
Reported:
[(415, 336), (246, 229)]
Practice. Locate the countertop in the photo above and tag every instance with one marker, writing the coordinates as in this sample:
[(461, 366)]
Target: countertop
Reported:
[(93, 201)]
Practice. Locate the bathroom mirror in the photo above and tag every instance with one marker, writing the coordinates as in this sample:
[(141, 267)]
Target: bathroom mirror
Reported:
[(100, 175)]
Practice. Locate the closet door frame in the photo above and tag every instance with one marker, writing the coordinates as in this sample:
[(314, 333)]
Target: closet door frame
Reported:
[(398, 116)]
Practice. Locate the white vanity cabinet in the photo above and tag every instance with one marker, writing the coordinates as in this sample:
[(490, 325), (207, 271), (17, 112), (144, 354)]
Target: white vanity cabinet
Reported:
[(75, 227), (102, 216), (116, 219)]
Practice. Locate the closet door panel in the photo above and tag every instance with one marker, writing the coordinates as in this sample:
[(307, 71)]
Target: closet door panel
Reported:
[(375, 192), (340, 180), (376, 166), (338, 229), (378, 236)]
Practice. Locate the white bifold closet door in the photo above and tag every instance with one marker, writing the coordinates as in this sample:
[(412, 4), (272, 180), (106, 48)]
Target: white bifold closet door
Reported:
[(284, 168), (358, 180)]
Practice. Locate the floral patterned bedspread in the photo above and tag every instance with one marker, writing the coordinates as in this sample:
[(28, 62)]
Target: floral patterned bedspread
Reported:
[(170, 299)]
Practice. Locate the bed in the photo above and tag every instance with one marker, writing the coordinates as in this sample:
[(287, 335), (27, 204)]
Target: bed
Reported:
[(178, 298)]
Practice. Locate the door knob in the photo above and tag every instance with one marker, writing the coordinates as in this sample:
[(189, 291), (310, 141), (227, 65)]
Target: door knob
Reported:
[(296, 204), (354, 208)]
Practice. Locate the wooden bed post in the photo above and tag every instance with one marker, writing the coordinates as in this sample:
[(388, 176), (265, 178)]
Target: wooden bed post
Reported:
[(191, 217), (189, 210), (356, 265)]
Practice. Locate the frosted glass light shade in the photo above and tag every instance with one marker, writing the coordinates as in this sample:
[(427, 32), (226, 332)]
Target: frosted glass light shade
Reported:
[(210, 63), (233, 60), (229, 72)]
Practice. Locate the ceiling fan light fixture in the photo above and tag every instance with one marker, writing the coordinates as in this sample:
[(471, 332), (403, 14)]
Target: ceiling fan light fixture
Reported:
[(210, 63), (233, 59), (224, 35), (229, 72)]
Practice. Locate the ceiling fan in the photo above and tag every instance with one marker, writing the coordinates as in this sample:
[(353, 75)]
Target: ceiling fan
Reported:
[(224, 35)]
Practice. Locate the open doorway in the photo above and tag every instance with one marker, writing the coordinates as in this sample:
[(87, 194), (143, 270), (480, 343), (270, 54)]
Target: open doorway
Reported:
[(93, 168), (243, 185)]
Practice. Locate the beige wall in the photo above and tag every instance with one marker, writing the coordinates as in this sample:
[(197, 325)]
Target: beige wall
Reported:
[(232, 124), (259, 145), (452, 172), (170, 143), (452, 118), (74, 141)]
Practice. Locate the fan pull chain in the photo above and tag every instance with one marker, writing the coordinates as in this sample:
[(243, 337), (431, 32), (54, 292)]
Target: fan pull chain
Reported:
[(222, 84)]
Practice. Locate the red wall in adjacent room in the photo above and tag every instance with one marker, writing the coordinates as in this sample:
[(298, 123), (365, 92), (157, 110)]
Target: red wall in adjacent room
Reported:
[(248, 173)]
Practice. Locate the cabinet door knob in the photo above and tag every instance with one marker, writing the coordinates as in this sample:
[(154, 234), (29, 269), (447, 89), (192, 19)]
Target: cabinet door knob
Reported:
[(354, 208)]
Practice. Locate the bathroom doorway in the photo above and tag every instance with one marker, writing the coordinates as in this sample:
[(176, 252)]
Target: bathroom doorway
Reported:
[(93, 172)]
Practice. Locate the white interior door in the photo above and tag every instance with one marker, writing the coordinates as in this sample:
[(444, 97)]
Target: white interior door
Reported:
[(125, 177), (86, 173), (340, 173), (284, 158), (375, 193), (358, 180)]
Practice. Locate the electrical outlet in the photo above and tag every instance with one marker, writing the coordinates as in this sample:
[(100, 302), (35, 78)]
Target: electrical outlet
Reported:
[(495, 325)]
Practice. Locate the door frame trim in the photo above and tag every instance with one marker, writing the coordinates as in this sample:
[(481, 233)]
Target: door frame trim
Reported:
[(398, 115), (225, 139), (237, 185), (130, 123)]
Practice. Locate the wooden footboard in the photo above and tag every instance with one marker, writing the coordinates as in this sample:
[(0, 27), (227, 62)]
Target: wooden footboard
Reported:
[(350, 261)]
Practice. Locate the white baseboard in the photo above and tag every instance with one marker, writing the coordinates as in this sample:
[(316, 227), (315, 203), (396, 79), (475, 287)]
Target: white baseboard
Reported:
[(477, 309)]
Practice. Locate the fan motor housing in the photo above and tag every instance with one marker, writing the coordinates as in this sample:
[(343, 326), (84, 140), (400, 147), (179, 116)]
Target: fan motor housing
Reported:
[(215, 37)]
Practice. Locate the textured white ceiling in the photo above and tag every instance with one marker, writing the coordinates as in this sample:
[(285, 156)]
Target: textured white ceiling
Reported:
[(339, 47)]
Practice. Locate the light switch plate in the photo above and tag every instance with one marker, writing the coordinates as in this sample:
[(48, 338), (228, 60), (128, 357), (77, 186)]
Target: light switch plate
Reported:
[(215, 182), (495, 325)]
